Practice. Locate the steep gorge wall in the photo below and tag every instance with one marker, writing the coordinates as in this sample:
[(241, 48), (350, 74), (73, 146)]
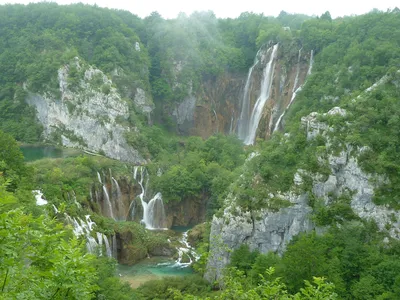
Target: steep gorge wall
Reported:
[(217, 105)]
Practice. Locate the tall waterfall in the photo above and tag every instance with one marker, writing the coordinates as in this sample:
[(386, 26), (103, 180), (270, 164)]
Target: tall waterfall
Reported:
[(153, 211), (245, 113), (295, 90), (311, 62), (247, 132)]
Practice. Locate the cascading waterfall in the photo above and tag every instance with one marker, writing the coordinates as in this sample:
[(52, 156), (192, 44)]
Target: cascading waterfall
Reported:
[(153, 211), (108, 207), (84, 228), (187, 251), (295, 91), (249, 135), (245, 112), (108, 202)]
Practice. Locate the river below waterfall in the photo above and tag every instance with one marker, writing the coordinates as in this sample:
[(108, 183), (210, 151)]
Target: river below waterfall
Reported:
[(151, 269), (158, 267)]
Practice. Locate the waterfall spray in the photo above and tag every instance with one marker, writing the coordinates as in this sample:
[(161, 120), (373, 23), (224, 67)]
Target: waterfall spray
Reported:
[(266, 85)]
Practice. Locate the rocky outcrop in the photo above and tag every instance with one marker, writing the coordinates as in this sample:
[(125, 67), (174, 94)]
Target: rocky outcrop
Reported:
[(271, 231), (89, 114), (347, 175), (268, 231)]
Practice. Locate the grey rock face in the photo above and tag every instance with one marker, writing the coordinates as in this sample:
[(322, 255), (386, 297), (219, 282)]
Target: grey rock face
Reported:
[(272, 231), (141, 101), (185, 110), (86, 117)]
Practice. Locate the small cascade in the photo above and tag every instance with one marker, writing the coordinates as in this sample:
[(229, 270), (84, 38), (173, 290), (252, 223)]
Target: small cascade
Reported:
[(84, 228), (131, 210), (266, 85), (186, 252), (108, 202), (153, 211), (39, 198), (295, 90), (107, 244), (99, 178), (100, 238)]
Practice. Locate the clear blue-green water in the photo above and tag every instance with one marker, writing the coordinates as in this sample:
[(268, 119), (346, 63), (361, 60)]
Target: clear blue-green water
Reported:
[(181, 228), (32, 153), (151, 269)]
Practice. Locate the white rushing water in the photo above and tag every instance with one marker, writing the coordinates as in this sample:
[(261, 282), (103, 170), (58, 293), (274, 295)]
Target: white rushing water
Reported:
[(153, 211), (295, 90), (85, 228), (99, 177), (186, 252), (248, 136), (39, 197), (108, 202), (245, 112), (311, 62)]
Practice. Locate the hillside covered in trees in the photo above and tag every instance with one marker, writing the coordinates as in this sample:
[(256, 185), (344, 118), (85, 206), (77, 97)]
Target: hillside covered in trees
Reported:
[(307, 210)]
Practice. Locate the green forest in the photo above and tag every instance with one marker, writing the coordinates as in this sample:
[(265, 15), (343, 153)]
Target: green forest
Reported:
[(346, 255)]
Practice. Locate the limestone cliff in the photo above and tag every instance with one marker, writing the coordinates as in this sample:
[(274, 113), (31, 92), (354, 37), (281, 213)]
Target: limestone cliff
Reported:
[(267, 230), (88, 112), (217, 105)]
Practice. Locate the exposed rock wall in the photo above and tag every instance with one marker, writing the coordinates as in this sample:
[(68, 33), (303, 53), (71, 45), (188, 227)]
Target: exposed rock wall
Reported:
[(216, 105), (188, 212), (88, 115), (272, 231)]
